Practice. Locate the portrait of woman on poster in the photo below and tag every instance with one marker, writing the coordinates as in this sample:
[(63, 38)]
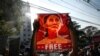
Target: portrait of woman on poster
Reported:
[(52, 25)]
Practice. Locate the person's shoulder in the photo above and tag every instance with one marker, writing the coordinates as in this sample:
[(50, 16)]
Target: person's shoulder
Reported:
[(60, 38), (63, 40), (43, 41)]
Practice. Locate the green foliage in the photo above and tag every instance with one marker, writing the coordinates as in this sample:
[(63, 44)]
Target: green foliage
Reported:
[(76, 25), (90, 31), (5, 29), (82, 39), (10, 10)]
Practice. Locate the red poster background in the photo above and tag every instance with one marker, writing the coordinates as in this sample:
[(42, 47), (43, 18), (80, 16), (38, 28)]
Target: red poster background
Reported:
[(64, 30)]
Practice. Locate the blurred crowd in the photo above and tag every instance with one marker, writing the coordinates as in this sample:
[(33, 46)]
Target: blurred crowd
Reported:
[(91, 50)]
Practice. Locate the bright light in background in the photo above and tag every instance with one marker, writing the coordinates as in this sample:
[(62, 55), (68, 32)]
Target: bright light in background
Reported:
[(30, 1), (32, 16), (25, 0), (34, 11)]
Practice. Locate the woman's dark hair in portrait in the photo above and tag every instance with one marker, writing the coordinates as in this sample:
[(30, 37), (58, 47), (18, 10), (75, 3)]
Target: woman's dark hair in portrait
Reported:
[(47, 16)]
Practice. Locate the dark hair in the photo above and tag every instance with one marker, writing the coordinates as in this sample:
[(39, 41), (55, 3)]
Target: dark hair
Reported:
[(47, 16)]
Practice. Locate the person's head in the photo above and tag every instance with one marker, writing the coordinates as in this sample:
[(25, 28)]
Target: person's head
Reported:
[(52, 22)]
